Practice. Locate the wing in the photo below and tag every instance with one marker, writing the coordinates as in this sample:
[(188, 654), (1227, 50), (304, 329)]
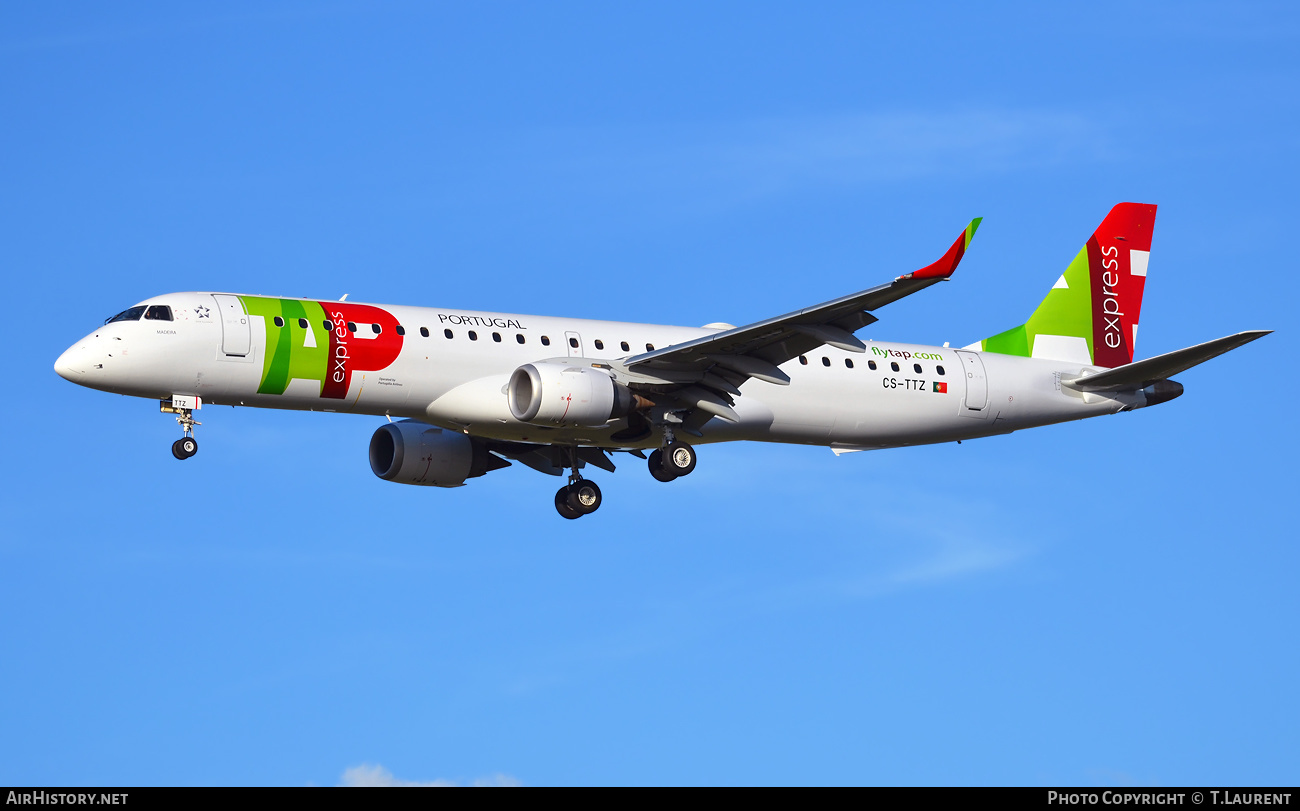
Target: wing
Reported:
[(708, 371)]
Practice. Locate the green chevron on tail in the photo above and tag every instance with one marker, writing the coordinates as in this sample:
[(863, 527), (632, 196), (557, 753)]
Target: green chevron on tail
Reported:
[(1067, 310)]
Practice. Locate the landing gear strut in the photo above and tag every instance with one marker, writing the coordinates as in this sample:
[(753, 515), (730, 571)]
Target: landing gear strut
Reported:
[(580, 496), (187, 445)]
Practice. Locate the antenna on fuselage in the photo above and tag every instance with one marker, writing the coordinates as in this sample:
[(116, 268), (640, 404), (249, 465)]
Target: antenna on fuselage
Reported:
[(344, 297)]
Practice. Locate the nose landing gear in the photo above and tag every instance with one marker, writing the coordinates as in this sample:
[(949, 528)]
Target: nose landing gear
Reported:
[(183, 407)]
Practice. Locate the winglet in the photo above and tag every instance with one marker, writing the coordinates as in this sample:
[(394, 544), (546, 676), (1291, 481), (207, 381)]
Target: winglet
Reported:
[(948, 263)]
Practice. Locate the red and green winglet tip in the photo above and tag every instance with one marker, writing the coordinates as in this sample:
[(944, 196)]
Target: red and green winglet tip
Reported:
[(949, 261)]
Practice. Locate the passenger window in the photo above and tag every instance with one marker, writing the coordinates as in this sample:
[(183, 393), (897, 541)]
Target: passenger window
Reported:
[(496, 336), (473, 336), (916, 367), (939, 369), (894, 366), (826, 361), (376, 328), (848, 362), (279, 322), (302, 323), (600, 344), (803, 359), (329, 325), (649, 347), (447, 334), (401, 330), (352, 327), (424, 332), (573, 342), (158, 312), (546, 341), (519, 337), (132, 314), (871, 364), (625, 347)]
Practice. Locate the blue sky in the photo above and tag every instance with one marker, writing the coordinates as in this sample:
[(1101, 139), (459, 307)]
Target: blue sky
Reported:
[(1107, 602)]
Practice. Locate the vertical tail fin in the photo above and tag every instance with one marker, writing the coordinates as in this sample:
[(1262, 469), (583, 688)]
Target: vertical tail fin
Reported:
[(1091, 314)]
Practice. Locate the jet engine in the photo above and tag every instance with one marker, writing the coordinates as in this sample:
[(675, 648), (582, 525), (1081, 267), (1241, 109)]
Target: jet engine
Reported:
[(410, 452), (556, 394)]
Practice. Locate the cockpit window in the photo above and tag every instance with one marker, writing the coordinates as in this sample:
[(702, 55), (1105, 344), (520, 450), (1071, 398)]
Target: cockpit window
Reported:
[(132, 314), (158, 312)]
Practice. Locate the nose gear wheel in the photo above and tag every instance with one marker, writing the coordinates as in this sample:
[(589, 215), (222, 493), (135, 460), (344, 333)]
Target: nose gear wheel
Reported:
[(185, 447)]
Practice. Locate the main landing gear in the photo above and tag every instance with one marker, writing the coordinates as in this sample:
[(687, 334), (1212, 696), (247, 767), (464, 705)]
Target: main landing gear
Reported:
[(580, 496), (674, 460), (187, 445), (577, 498)]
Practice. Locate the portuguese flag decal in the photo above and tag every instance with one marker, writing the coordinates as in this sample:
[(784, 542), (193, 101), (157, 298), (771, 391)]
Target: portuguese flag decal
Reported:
[(941, 388)]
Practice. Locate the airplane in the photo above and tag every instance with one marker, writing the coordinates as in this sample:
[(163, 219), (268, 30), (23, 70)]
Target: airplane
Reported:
[(474, 391)]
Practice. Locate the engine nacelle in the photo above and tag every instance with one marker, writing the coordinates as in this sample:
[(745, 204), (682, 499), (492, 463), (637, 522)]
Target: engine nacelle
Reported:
[(556, 394), (410, 452)]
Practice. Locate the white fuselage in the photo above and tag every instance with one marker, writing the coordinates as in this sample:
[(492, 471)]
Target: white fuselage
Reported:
[(893, 395)]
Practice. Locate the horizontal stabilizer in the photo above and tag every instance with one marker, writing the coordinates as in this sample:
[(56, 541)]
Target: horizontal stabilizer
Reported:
[(1133, 376)]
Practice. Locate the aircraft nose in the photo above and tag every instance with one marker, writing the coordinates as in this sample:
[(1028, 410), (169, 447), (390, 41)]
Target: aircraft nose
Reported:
[(69, 366)]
